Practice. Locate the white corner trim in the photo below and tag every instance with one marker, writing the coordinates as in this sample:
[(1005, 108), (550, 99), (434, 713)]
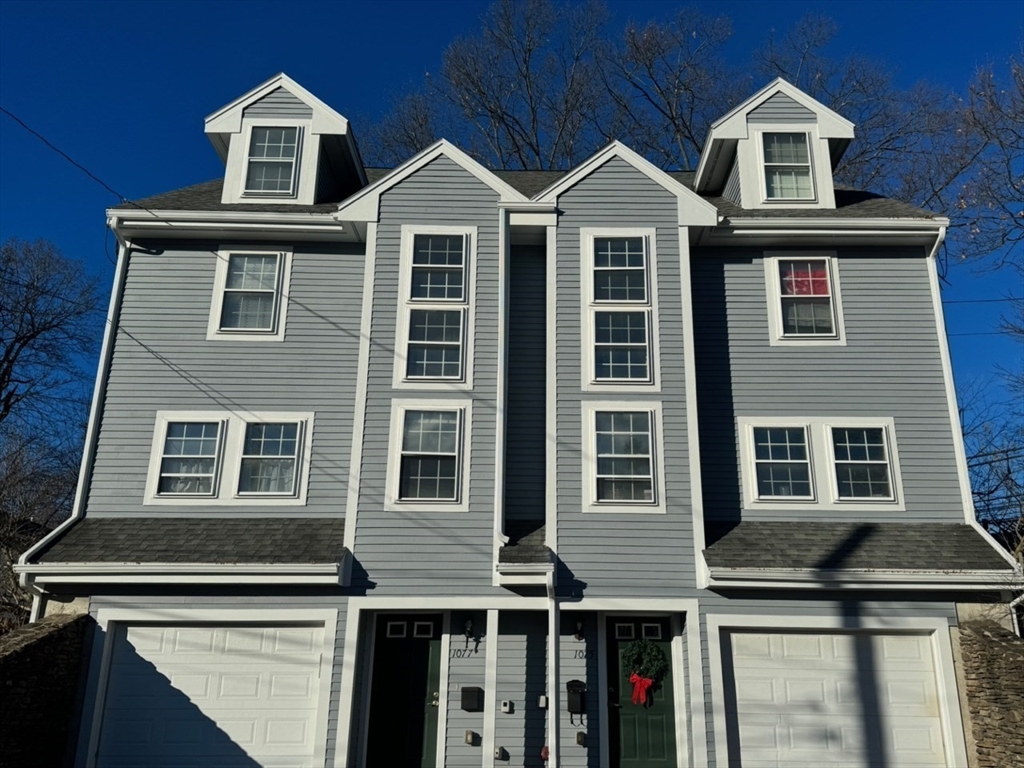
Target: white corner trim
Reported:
[(693, 210), (491, 643), (282, 295), (362, 374), (551, 394), (364, 205), (501, 393), (109, 619), (692, 410), (773, 286), (956, 432), (935, 628)]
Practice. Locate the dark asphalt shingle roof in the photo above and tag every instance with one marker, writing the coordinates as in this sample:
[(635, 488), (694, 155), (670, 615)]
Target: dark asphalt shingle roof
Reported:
[(857, 546), (199, 540), (850, 203), (525, 543)]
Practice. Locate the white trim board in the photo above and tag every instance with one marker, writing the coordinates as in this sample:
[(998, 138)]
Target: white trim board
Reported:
[(936, 628)]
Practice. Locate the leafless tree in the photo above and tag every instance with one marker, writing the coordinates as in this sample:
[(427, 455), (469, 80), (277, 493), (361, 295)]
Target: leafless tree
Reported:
[(49, 324)]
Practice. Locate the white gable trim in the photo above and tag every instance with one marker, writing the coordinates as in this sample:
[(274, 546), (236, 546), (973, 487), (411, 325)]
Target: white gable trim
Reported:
[(733, 125), (228, 119), (693, 210), (364, 206)]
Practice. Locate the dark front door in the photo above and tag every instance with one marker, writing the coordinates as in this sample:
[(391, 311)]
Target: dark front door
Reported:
[(405, 692), (639, 734)]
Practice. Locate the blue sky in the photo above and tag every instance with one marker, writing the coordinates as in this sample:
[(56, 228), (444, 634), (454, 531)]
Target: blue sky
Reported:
[(123, 88)]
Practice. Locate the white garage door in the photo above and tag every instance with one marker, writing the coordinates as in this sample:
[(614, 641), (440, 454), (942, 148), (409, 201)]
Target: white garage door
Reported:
[(835, 700), (212, 696)]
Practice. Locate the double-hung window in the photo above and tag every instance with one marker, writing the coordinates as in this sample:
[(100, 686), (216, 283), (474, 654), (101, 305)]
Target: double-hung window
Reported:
[(618, 322), (427, 465), (842, 464), (272, 164), (230, 458), (787, 166), (621, 457), (804, 305), (435, 287), (250, 295)]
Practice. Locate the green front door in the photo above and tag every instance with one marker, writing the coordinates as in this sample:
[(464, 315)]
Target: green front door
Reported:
[(405, 692), (639, 734)]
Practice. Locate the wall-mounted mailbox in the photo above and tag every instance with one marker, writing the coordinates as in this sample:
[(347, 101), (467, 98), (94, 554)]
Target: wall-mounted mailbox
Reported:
[(473, 699), (575, 700)]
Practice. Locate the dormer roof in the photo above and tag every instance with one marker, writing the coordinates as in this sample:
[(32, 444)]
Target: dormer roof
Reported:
[(779, 102)]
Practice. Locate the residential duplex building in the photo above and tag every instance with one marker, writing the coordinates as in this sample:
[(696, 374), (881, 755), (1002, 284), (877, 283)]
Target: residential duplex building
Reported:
[(441, 465)]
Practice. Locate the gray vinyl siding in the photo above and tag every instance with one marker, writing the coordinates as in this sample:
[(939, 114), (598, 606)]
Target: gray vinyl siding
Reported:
[(522, 679), (431, 552), (573, 664), (283, 602), (469, 671), (732, 184), (163, 361), (781, 108), (526, 393), (610, 553), (852, 611), (279, 103), (890, 367)]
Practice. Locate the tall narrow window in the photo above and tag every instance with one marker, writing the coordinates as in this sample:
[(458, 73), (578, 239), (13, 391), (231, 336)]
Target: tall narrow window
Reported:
[(625, 467), (269, 459), (787, 167), (188, 466), (430, 461), (620, 317), (272, 161), (782, 463), (807, 308), (861, 463), (250, 293)]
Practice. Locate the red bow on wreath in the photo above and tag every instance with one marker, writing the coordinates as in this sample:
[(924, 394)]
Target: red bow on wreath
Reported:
[(640, 686)]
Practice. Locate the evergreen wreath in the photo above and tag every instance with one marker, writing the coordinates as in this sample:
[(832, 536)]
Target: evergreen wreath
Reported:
[(645, 658)]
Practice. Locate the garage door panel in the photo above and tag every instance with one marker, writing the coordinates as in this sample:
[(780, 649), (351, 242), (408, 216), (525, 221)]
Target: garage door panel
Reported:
[(802, 699), (216, 695)]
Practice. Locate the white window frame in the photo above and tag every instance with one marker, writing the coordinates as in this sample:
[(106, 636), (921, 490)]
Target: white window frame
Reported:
[(406, 306), (296, 163), (773, 284), (810, 137), (392, 493), (237, 167), (228, 467), (752, 446), (589, 454), (824, 486), (283, 292), (591, 306)]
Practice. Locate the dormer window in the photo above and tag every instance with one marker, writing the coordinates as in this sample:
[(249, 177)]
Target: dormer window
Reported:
[(787, 167), (272, 162)]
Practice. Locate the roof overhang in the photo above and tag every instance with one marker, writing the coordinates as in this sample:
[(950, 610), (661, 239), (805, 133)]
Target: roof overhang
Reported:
[(694, 211), (239, 225), (42, 575), (825, 231), (364, 205), (805, 578)]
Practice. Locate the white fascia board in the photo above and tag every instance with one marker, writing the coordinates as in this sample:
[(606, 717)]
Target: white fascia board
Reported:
[(228, 119), (364, 205), (526, 567), (522, 579), (173, 224), (800, 578), (694, 210), (43, 574), (790, 231)]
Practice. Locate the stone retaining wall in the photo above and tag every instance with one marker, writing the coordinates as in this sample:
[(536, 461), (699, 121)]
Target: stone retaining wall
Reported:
[(993, 671), (40, 666)]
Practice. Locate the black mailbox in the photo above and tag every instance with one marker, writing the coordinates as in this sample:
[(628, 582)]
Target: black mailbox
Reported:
[(576, 699), (472, 699)]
